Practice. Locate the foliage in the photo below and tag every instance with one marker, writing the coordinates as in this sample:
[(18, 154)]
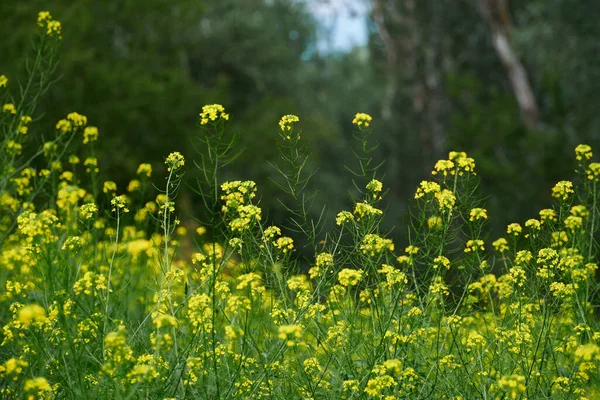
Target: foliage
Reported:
[(101, 298)]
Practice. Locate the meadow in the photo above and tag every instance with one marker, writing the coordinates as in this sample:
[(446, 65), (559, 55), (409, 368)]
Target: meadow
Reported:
[(107, 294)]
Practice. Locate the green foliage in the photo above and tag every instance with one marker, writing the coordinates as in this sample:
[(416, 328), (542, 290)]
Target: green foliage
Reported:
[(111, 296)]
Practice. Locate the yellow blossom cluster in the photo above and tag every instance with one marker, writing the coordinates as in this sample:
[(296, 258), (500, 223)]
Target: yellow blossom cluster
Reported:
[(213, 112), (373, 244), (349, 277), (362, 119), (287, 122), (52, 26)]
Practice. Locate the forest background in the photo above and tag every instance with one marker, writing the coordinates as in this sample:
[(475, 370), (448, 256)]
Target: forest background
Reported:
[(513, 84)]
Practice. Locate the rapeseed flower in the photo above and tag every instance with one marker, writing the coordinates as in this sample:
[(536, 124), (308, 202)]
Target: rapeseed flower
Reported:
[(583, 151), (287, 122), (362, 119), (9, 108), (212, 112), (477, 214), (174, 161), (562, 190), (349, 277)]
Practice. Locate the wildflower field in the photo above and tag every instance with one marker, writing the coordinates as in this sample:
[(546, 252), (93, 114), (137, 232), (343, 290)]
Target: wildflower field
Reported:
[(106, 295)]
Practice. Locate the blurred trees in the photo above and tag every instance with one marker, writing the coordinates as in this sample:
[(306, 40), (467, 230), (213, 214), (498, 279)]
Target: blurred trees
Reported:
[(510, 83)]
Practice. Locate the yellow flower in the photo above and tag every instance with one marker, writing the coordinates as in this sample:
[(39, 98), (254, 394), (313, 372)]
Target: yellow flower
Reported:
[(441, 261), (349, 277), (90, 134), (547, 214), (593, 171), (412, 250), (444, 166), (426, 187), (133, 185), (119, 204), (373, 244), (579, 211), (137, 247), (53, 27), (562, 190), (87, 211), (43, 17), (290, 333), (109, 186), (77, 119), (175, 161), (145, 169), (533, 224), (514, 385), (271, 232), (446, 200), (573, 223), (375, 186), (583, 151), (284, 243), (477, 214), (38, 388), (3, 81), (365, 209), (435, 222), (362, 119), (9, 108), (514, 229), (344, 217), (286, 123), (212, 112), (588, 352), (91, 164), (63, 126), (474, 245), (32, 313)]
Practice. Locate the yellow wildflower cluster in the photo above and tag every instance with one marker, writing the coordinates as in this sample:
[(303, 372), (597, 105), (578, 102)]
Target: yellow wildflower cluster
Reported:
[(285, 244), (3, 81), (144, 170), (349, 277), (286, 123), (174, 161), (513, 385), (375, 187), (290, 334), (426, 187), (547, 215), (52, 27), (583, 152), (211, 113), (446, 200), (562, 190), (477, 213), (364, 209), (90, 134), (514, 229), (344, 217), (474, 245), (362, 119), (373, 244), (445, 167), (593, 171), (119, 204)]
